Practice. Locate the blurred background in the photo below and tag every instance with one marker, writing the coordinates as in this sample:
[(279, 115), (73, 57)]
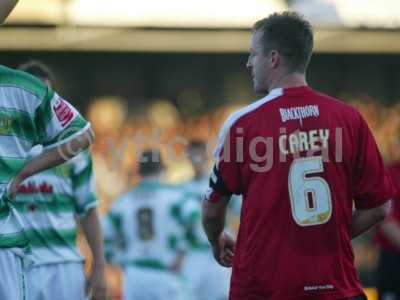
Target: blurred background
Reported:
[(177, 68)]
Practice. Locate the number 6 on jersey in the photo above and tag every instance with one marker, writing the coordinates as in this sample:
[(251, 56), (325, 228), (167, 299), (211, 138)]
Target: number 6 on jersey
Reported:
[(310, 197)]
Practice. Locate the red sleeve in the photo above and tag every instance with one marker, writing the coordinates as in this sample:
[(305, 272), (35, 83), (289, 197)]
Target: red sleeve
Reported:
[(228, 164), (225, 178), (372, 185)]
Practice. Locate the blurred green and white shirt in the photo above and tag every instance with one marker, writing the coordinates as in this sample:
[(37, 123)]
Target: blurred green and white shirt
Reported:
[(194, 191), (142, 227), (48, 204), (30, 114)]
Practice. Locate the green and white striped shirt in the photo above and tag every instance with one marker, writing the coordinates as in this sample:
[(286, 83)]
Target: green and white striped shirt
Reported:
[(194, 190), (48, 203), (142, 228), (30, 114)]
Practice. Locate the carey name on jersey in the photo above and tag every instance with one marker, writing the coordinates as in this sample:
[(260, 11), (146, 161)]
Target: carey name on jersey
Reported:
[(298, 141)]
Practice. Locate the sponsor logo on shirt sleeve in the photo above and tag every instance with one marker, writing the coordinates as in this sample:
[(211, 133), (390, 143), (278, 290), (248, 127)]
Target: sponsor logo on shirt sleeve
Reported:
[(63, 112)]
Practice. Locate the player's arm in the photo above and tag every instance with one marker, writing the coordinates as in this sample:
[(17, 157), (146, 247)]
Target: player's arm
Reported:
[(214, 209), (225, 180), (92, 231), (62, 131), (213, 218), (96, 284), (6, 8), (84, 187), (52, 157), (364, 219)]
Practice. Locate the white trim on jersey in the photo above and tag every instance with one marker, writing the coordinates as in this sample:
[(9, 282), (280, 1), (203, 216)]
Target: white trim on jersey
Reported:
[(87, 208), (63, 141), (55, 127), (275, 93)]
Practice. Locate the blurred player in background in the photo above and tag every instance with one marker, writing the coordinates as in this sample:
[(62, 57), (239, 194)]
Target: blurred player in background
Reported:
[(39, 70), (206, 278), (143, 234), (48, 203), (30, 114), (388, 239), (299, 158)]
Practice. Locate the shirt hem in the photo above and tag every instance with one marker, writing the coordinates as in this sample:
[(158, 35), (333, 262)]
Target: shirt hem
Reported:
[(332, 296)]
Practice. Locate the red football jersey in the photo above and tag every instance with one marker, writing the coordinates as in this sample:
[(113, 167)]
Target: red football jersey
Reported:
[(394, 214), (299, 158)]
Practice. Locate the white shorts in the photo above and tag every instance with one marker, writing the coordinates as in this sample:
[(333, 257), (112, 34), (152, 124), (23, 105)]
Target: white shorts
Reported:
[(61, 281), (150, 284), (12, 283), (206, 279)]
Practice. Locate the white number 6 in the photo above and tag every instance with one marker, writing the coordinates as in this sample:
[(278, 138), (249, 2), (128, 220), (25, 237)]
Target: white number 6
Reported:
[(310, 197)]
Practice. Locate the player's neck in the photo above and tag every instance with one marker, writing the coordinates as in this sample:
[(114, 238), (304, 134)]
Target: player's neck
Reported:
[(288, 81)]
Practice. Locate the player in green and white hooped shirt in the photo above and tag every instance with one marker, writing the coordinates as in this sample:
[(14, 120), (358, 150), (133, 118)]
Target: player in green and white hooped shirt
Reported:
[(143, 226), (30, 114), (207, 279), (48, 203)]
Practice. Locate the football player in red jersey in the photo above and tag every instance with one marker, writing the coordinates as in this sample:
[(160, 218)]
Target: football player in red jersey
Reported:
[(299, 158)]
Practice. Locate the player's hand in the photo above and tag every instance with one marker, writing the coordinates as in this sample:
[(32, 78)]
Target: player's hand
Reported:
[(14, 187), (224, 250), (96, 285)]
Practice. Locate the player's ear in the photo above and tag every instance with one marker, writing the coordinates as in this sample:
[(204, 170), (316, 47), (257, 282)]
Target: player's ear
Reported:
[(274, 59)]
